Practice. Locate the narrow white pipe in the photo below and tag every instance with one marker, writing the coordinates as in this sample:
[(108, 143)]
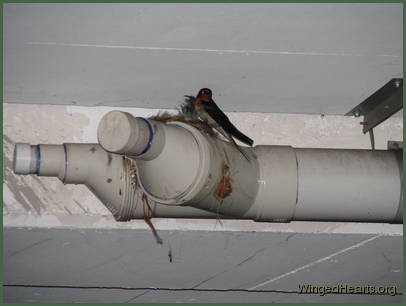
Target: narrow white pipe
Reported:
[(109, 176), (120, 132)]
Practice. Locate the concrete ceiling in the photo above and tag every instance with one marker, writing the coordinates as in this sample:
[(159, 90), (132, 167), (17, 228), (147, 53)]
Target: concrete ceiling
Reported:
[(59, 265), (295, 58)]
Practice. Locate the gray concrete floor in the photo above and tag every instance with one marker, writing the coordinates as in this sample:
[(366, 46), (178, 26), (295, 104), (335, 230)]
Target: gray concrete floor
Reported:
[(54, 265)]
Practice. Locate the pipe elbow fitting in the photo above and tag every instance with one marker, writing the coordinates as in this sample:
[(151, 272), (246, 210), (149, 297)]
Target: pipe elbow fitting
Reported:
[(178, 164)]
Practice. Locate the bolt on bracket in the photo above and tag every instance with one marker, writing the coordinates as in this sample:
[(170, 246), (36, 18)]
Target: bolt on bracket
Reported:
[(381, 105)]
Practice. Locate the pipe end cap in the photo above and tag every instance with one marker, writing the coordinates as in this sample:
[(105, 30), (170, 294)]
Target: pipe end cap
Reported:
[(114, 131)]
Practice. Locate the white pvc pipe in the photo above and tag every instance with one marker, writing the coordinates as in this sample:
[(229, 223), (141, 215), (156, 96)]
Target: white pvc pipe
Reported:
[(187, 168), (278, 184), (176, 164), (109, 176), (347, 185)]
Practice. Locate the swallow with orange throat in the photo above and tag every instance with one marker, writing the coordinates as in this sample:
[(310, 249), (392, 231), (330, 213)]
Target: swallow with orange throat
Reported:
[(209, 112)]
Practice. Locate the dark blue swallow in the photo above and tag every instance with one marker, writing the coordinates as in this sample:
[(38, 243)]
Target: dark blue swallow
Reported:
[(209, 112)]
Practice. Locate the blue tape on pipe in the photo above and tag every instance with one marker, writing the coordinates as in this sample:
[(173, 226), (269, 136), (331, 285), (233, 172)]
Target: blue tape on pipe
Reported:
[(37, 159), (66, 161), (150, 138)]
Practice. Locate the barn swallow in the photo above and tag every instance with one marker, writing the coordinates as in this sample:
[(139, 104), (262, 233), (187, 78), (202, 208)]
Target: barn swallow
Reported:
[(209, 112)]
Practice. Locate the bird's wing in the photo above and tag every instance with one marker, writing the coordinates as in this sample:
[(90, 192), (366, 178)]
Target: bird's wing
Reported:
[(221, 119), (215, 112)]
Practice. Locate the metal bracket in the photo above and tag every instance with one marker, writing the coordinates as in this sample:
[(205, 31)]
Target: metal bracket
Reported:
[(382, 104)]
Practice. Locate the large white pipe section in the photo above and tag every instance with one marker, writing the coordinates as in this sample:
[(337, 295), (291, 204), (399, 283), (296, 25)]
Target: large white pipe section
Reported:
[(346, 185), (179, 165)]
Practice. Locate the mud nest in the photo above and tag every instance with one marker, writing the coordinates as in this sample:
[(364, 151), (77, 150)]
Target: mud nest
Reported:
[(200, 125), (223, 188)]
